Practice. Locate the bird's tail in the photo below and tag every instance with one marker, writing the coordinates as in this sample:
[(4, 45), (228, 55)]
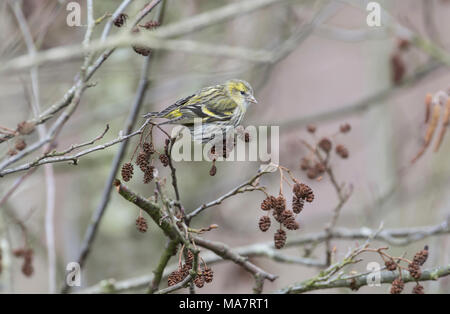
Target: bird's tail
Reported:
[(159, 115)]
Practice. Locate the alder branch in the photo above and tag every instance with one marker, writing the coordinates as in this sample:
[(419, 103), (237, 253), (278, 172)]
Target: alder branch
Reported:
[(74, 157), (210, 258), (267, 250), (240, 255), (397, 237), (355, 282), (151, 208), (154, 211), (186, 281), (78, 146)]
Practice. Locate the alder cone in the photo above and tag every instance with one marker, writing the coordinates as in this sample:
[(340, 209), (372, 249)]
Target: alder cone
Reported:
[(264, 223), (397, 286), (127, 172), (280, 238), (208, 274)]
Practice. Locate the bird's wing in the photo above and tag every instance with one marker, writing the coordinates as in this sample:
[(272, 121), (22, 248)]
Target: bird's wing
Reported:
[(222, 109), (211, 104)]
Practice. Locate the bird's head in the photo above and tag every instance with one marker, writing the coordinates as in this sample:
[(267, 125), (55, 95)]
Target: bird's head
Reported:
[(241, 92)]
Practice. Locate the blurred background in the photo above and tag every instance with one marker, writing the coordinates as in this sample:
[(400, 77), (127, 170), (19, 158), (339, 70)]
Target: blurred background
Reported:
[(341, 63)]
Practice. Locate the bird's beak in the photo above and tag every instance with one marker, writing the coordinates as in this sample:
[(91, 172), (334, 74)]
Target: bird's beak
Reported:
[(252, 99)]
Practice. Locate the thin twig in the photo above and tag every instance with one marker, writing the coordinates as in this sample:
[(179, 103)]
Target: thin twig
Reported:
[(55, 158), (177, 286), (77, 146), (343, 197), (238, 189)]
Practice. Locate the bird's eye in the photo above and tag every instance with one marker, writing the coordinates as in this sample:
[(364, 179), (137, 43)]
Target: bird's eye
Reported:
[(242, 92)]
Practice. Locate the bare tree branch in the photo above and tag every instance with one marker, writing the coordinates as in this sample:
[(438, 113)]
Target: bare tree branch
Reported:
[(56, 156), (225, 252), (362, 280), (398, 237)]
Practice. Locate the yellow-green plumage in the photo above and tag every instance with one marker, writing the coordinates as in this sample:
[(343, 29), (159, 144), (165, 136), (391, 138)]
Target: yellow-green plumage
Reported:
[(218, 108)]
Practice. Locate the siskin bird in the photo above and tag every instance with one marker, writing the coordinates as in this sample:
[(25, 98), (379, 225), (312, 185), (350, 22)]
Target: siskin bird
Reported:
[(219, 108)]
